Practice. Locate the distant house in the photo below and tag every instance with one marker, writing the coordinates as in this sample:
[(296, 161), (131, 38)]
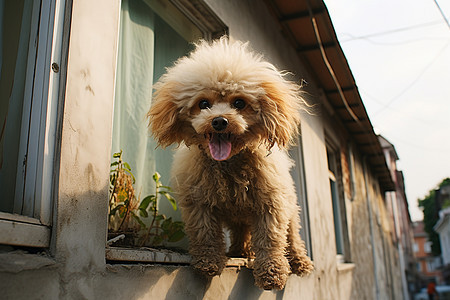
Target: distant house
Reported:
[(76, 84), (398, 209), (427, 264), (442, 227)]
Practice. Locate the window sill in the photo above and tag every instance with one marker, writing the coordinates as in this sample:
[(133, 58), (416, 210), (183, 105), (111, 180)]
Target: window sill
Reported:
[(163, 256), (18, 261), (345, 267), (19, 230)]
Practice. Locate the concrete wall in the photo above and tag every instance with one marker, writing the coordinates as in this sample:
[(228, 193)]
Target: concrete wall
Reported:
[(75, 267)]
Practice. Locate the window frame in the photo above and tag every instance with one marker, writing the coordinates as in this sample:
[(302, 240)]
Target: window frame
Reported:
[(334, 189), (202, 16), (302, 197), (29, 224), (351, 170), (338, 201)]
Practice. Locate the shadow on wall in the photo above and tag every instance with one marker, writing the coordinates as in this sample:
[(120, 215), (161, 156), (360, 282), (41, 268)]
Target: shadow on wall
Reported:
[(175, 282)]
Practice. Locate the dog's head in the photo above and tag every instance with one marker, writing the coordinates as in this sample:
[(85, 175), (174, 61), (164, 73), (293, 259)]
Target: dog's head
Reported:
[(224, 98)]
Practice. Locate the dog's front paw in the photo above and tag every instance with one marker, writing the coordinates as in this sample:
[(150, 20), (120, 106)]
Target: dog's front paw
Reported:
[(301, 265), (271, 274), (209, 265)]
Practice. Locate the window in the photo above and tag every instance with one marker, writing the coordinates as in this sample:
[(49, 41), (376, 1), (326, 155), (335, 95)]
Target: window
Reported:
[(30, 40), (153, 34), (298, 174), (337, 198), (415, 247), (427, 247), (147, 45), (351, 170), (433, 263)]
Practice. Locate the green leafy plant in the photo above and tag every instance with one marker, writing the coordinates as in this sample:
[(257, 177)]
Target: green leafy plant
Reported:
[(140, 218), (161, 228), (431, 208)]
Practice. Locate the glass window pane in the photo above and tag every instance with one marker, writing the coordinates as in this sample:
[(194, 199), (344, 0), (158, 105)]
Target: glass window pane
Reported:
[(338, 230), (147, 45), (337, 218), (15, 26), (298, 175)]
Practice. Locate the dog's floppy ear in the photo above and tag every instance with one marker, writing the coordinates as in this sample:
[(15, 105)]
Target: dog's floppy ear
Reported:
[(280, 112), (164, 118)]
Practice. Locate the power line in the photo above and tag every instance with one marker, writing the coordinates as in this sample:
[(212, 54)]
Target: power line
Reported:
[(401, 112), (352, 38), (424, 70), (442, 13), (396, 140), (398, 43)]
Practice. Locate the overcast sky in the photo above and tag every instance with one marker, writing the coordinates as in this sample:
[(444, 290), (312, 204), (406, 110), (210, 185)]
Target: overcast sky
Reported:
[(399, 53)]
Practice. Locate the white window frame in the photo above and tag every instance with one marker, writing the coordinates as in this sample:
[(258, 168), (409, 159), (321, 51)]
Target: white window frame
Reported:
[(29, 224), (299, 177), (338, 200)]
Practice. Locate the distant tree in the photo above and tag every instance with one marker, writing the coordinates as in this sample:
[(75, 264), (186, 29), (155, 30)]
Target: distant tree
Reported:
[(431, 215)]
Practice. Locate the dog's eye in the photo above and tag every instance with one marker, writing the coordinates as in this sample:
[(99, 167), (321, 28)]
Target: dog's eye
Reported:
[(239, 103), (203, 104)]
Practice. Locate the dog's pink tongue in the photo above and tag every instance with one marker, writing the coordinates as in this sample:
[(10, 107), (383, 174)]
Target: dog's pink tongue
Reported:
[(219, 147)]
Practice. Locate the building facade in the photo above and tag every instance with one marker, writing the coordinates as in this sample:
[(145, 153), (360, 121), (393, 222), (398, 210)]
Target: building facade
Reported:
[(442, 227), (401, 220), (428, 265), (82, 73)]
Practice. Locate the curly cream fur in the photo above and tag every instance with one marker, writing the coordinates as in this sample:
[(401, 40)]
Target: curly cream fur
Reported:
[(251, 191)]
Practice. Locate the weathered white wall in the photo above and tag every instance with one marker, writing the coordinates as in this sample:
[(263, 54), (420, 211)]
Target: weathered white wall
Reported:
[(77, 268), (80, 229)]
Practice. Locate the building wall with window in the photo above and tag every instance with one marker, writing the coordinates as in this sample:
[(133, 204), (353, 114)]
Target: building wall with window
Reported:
[(89, 60), (442, 227), (427, 264), (403, 229)]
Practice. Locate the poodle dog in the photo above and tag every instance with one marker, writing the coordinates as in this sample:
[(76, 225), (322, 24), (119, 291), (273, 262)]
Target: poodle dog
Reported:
[(233, 116)]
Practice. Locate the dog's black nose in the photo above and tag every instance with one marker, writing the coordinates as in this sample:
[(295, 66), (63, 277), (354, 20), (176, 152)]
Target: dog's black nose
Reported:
[(219, 123)]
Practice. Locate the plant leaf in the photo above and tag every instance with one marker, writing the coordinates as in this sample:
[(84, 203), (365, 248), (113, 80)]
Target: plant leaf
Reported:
[(179, 225), (122, 195), (113, 211), (168, 188), (176, 236), (127, 166), (138, 220), (143, 212), (157, 240), (170, 198), (146, 201), (160, 217), (166, 224)]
